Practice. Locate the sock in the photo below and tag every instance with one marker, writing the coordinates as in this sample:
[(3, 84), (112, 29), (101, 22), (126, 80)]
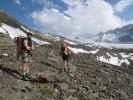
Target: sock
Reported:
[(24, 73)]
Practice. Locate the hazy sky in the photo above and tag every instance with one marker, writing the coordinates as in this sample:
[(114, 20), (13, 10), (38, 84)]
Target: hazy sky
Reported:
[(77, 17)]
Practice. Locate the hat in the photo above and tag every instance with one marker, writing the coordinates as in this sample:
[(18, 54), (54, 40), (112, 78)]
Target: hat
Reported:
[(29, 33)]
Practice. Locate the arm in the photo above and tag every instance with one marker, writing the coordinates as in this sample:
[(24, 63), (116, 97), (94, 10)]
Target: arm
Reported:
[(33, 46), (26, 44)]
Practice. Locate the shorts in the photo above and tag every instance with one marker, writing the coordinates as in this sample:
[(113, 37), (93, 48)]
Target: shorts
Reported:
[(65, 57), (26, 57)]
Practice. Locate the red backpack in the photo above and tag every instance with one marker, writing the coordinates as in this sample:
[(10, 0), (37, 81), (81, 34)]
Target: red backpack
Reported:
[(20, 43)]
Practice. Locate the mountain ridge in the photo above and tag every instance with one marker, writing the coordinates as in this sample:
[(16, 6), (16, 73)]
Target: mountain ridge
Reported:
[(118, 35)]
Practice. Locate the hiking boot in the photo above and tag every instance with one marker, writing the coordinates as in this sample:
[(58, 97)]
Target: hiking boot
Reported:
[(65, 70), (25, 78), (27, 75)]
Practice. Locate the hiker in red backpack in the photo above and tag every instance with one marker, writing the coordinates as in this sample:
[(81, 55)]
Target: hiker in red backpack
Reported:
[(27, 47), (24, 51), (65, 53)]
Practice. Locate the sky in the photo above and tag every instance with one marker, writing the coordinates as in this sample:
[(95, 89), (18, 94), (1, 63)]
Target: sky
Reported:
[(71, 17)]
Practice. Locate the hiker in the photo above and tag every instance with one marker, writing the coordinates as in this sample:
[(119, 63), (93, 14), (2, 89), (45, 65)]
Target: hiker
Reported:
[(65, 54), (25, 47)]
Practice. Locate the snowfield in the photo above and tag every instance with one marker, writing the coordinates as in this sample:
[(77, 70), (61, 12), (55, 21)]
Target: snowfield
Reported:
[(2, 30), (112, 45), (40, 42), (114, 60), (79, 50), (127, 56), (13, 32), (27, 30), (70, 42), (94, 51), (50, 36)]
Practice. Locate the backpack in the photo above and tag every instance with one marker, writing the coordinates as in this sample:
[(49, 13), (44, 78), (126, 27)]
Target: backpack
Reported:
[(18, 41), (21, 45)]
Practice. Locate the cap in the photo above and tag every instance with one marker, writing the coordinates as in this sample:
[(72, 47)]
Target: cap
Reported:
[(29, 33)]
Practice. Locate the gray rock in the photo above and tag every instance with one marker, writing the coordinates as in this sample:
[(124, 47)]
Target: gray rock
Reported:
[(63, 86), (72, 98)]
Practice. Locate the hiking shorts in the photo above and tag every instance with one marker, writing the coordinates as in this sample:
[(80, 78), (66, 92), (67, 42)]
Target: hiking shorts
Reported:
[(27, 57), (65, 57)]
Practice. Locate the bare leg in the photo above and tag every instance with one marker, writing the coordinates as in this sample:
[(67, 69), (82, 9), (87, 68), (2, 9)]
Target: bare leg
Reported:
[(24, 67), (28, 68), (68, 69), (66, 66)]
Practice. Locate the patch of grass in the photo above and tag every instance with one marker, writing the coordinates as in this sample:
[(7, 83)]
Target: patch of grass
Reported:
[(46, 90)]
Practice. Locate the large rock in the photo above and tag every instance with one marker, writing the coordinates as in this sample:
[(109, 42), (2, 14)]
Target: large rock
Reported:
[(50, 76)]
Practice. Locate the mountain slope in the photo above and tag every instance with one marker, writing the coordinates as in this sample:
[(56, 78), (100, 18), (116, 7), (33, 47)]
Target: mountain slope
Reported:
[(89, 79)]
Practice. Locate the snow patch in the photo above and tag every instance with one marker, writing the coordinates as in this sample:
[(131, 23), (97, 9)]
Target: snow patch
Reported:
[(94, 51), (27, 30), (2, 30), (111, 45), (57, 38), (13, 32), (70, 42), (50, 36), (5, 54), (78, 50), (113, 60), (127, 56), (40, 42)]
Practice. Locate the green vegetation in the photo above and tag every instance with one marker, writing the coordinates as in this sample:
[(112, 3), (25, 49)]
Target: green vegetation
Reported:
[(46, 90)]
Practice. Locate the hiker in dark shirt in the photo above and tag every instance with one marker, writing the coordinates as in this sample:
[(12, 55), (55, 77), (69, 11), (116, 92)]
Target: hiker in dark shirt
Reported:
[(65, 54)]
